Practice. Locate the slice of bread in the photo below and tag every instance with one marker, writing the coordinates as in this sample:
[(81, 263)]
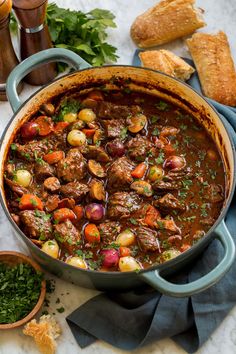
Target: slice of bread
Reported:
[(44, 333), (166, 62), (215, 66), (166, 21)]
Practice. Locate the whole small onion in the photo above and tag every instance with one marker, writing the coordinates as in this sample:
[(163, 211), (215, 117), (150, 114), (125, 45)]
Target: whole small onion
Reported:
[(29, 130), (94, 211), (110, 257), (116, 148), (175, 163)]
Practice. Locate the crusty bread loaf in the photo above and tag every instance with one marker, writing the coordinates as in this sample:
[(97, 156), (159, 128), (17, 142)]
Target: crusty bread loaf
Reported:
[(166, 21), (215, 66), (44, 333), (166, 62)]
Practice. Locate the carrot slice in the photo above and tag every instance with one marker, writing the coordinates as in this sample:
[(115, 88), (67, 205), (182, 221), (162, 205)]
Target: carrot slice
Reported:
[(96, 95), (63, 214), (30, 202), (79, 211), (91, 233), (152, 215), (139, 170), (60, 126), (124, 251), (89, 132), (45, 125), (54, 157), (185, 247)]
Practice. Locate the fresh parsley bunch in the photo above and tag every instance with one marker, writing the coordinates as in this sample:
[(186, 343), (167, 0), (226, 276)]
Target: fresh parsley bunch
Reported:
[(83, 33)]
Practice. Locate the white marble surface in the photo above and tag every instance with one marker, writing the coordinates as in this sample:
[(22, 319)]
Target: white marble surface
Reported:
[(219, 14)]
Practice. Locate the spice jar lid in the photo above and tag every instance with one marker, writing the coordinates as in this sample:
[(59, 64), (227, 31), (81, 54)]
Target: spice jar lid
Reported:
[(27, 5), (30, 14)]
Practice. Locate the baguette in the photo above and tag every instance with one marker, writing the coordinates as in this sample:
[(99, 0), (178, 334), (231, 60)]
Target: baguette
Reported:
[(166, 21), (166, 62), (44, 333), (215, 66)]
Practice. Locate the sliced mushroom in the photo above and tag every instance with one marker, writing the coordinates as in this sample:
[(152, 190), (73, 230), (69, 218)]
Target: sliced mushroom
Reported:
[(96, 169), (142, 187), (137, 123), (97, 190)]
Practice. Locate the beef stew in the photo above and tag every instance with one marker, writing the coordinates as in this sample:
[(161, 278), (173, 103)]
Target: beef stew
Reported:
[(114, 180)]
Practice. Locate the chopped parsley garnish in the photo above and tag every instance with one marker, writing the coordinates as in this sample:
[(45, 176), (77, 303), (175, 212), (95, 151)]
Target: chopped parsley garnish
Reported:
[(213, 173), (160, 159), (133, 221), (67, 106), (154, 119), (202, 155), (187, 183), (60, 310), (204, 212), (20, 288), (123, 133), (162, 106), (13, 147), (155, 131), (183, 126)]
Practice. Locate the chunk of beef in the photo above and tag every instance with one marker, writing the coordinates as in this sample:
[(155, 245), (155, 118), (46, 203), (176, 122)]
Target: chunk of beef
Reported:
[(109, 110), (119, 174), (169, 131), (16, 188), (147, 239), (214, 193), (114, 127), (168, 226), (67, 235), (95, 153), (109, 231), (36, 224), (72, 167), (38, 148), (52, 184), (168, 204), (52, 203), (75, 190), (139, 147), (122, 205), (66, 203), (184, 173), (162, 186), (43, 171)]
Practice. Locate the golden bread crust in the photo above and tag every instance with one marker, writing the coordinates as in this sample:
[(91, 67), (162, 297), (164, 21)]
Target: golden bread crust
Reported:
[(215, 66), (166, 21), (44, 333), (166, 62)]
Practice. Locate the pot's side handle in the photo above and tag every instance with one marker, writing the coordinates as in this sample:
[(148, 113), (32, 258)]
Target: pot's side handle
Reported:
[(35, 60), (155, 279)]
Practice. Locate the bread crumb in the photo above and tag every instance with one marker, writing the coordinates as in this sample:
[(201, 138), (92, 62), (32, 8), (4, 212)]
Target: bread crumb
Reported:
[(44, 333)]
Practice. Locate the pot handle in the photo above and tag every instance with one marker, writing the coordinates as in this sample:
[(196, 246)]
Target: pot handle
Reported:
[(34, 61), (155, 279)]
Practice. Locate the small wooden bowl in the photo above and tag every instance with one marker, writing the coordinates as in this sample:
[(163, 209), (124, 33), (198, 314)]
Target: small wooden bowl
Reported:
[(12, 258)]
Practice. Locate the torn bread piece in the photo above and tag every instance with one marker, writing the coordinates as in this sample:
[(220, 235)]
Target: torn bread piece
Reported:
[(215, 66), (166, 62), (166, 21), (44, 333)]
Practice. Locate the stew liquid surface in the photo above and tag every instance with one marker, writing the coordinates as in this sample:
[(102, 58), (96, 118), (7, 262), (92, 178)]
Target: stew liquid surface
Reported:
[(114, 180)]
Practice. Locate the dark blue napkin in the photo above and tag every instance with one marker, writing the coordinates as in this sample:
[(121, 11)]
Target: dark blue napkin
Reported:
[(137, 318)]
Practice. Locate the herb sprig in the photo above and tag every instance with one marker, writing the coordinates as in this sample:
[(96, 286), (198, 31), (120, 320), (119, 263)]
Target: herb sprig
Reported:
[(83, 33)]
